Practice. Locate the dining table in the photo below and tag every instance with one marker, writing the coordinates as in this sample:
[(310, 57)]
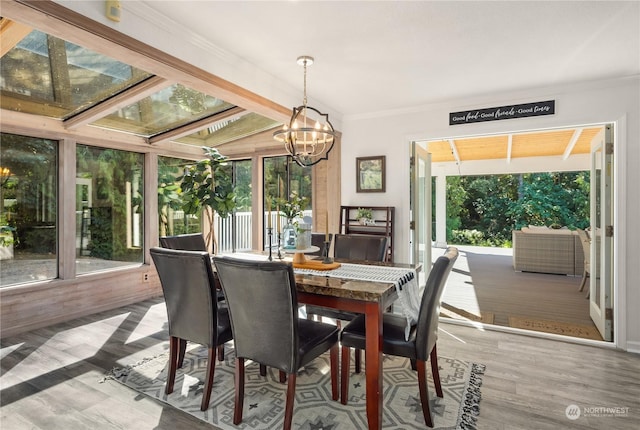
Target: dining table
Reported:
[(368, 295)]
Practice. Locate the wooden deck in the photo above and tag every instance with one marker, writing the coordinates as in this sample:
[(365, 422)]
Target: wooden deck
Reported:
[(484, 286)]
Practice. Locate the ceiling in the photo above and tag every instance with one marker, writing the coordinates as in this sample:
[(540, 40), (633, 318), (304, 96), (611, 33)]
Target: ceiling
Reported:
[(371, 57), (379, 56), (559, 143)]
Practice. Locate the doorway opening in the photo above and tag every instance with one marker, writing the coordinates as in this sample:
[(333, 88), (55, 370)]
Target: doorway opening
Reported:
[(487, 285)]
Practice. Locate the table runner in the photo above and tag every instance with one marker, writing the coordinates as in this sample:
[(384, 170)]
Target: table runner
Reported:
[(405, 281)]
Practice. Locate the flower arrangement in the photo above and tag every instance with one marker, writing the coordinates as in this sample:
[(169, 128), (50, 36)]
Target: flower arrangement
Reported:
[(293, 207)]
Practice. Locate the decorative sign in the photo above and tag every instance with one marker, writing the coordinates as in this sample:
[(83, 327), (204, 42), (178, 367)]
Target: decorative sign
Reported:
[(503, 112)]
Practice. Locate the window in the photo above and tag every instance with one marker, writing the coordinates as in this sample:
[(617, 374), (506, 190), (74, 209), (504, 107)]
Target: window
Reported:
[(282, 177), (234, 232), (110, 202), (171, 218), (28, 209)]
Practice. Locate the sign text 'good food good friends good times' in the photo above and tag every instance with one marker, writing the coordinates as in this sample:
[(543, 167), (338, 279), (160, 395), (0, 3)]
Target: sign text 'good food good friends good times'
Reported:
[(503, 112)]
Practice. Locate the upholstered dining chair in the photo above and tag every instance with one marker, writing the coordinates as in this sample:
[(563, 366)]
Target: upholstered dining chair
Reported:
[(357, 247), (586, 250), (187, 242), (360, 247), (422, 339), (317, 239), (263, 308), (188, 286)]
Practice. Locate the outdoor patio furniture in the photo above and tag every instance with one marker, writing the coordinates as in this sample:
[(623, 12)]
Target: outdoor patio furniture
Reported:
[(547, 250)]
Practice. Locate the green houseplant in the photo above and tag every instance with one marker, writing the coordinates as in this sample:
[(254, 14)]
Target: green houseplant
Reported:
[(364, 216), (207, 186)]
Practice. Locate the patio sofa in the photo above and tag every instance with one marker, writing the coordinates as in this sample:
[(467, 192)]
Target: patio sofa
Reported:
[(546, 250)]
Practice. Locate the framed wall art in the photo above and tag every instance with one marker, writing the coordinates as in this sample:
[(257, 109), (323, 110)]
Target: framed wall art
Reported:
[(370, 176)]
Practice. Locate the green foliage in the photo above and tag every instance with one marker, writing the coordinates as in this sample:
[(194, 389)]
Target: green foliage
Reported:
[(114, 171), (282, 176), (243, 185), (293, 207), (468, 237), (6, 233), (456, 196), (495, 205), (169, 197), (364, 213), (208, 184), (552, 198)]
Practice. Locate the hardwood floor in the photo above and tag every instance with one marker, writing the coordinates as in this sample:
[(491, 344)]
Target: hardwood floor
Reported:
[(50, 377), (483, 282)]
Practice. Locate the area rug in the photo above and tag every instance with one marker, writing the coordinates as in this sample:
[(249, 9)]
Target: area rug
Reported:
[(265, 396), (555, 327)]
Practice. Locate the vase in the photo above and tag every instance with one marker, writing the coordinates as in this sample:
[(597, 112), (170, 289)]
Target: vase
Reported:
[(289, 236), (364, 221), (303, 236)]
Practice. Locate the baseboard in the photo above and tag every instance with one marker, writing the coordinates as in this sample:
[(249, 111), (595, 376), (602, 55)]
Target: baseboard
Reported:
[(633, 347)]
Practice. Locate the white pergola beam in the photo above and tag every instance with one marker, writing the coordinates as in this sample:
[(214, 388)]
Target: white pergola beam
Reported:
[(574, 139), (454, 150)]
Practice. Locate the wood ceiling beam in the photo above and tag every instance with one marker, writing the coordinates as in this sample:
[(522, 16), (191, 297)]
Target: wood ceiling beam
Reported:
[(125, 98), (11, 33), (194, 127), (574, 139)]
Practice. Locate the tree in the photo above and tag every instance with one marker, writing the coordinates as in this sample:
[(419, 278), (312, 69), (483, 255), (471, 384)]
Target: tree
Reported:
[(207, 186), (486, 209)]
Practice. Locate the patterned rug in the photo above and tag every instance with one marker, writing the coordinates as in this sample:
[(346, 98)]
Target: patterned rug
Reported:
[(314, 409), (556, 327)]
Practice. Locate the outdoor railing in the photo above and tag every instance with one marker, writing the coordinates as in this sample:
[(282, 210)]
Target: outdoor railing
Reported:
[(224, 229)]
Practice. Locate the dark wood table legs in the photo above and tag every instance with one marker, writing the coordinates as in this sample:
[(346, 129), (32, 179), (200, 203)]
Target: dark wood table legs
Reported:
[(373, 364)]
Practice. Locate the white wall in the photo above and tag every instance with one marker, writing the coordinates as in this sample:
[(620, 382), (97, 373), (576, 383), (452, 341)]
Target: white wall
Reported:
[(618, 101)]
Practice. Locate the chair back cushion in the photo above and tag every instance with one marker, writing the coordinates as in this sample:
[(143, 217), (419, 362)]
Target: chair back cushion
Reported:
[(360, 247), (317, 239), (189, 293), (427, 327), (263, 308), (187, 242)]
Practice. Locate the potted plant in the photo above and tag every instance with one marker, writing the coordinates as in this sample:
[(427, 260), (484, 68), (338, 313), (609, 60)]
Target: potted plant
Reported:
[(207, 185), (364, 216)]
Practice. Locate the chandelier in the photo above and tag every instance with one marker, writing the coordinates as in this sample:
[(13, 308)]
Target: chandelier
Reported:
[(309, 136)]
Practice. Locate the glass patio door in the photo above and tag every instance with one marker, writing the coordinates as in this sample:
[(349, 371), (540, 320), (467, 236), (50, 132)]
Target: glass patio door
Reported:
[(601, 233), (420, 208)]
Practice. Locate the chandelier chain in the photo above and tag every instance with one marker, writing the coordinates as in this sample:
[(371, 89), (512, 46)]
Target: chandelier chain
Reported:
[(304, 99)]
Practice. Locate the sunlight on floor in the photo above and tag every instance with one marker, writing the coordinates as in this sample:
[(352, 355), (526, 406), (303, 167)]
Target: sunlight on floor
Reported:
[(64, 349), (461, 275)]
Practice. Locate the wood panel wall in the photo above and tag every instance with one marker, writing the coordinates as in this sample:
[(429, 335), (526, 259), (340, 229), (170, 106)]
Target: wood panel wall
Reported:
[(27, 307)]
